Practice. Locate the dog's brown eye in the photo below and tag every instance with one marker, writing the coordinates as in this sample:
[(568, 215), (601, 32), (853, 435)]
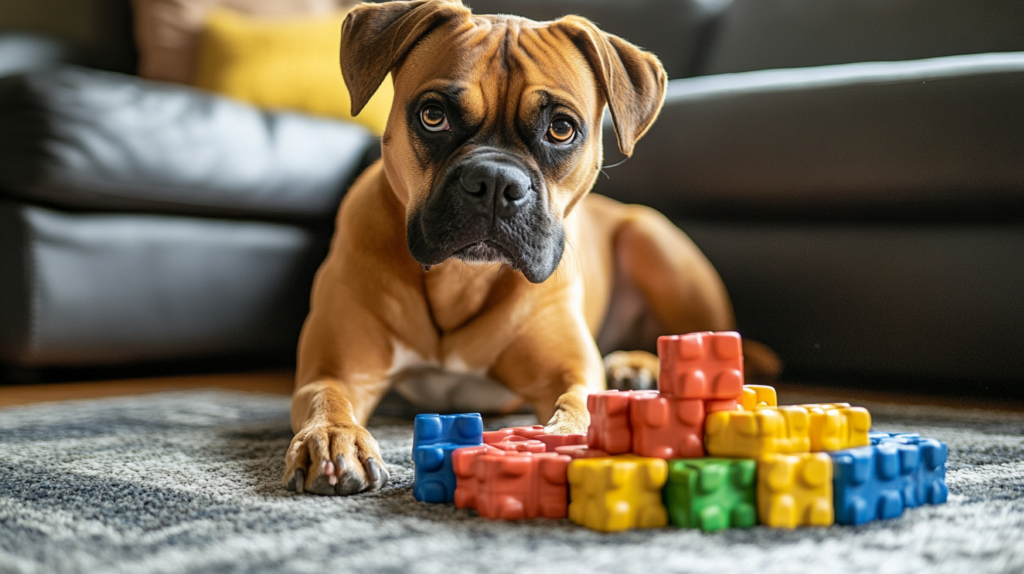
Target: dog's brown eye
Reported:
[(561, 131), (433, 119)]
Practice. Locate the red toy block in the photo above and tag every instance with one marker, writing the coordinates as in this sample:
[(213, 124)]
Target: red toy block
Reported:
[(520, 444), (535, 432), (532, 431), (580, 451), (706, 365), (610, 430), (467, 486), (721, 405), (555, 441), (666, 427), (520, 485), (511, 485), (491, 437)]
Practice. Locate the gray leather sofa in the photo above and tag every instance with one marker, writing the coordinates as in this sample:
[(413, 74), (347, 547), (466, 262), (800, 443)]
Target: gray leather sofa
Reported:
[(852, 167), (143, 221)]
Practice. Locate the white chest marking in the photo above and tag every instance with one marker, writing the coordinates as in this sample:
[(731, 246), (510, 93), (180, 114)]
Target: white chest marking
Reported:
[(451, 386)]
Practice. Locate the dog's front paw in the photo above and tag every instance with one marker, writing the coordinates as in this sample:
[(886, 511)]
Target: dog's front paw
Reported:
[(334, 459)]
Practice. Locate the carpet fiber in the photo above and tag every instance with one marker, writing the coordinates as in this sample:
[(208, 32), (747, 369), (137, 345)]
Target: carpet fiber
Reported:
[(190, 482)]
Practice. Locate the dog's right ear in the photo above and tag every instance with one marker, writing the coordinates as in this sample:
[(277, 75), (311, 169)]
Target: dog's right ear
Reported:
[(375, 37)]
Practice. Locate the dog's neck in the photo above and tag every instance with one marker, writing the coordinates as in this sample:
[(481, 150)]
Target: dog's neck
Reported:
[(457, 291)]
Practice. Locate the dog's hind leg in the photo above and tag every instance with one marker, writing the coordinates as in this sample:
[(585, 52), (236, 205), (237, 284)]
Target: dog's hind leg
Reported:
[(665, 285)]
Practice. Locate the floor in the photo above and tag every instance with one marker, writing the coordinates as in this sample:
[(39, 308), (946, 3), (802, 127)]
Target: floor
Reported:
[(280, 383)]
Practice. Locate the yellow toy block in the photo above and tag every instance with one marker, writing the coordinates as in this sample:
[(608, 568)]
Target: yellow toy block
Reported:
[(755, 396), (752, 433), (614, 493), (838, 426), (795, 490)]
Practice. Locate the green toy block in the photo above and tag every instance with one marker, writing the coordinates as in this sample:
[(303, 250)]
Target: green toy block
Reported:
[(711, 493)]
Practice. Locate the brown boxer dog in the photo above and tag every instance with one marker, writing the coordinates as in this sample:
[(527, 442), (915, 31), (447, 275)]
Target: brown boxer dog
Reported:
[(472, 247)]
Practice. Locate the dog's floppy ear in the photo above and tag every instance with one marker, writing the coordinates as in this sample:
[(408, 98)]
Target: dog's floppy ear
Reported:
[(375, 37), (633, 80)]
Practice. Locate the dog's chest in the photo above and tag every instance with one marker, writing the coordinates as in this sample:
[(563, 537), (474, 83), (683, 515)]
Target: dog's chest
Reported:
[(457, 291)]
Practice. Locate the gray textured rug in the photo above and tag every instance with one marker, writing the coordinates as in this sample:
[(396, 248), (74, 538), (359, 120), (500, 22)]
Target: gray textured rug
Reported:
[(190, 482)]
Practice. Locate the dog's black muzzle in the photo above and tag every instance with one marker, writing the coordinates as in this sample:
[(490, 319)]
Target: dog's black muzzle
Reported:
[(488, 207)]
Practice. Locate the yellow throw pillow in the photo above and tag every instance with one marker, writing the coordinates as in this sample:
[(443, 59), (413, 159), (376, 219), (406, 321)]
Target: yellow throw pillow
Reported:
[(286, 64)]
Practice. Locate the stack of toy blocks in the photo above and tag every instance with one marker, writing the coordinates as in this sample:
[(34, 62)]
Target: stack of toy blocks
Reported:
[(644, 432), (643, 462), (711, 493), (794, 484)]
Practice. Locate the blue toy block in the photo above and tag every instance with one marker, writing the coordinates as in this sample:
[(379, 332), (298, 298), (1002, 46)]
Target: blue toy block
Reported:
[(464, 430), (929, 483), (877, 437), (435, 437), (874, 482)]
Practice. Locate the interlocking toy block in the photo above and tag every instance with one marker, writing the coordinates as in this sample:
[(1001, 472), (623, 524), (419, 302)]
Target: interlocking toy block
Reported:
[(434, 439), (491, 437), (521, 485), (467, 485), (874, 482), (929, 483), (666, 427), (794, 490), (520, 444), (580, 451), (553, 441), (535, 432), (838, 426), (706, 365), (755, 396), (610, 430), (617, 493), (511, 485), (877, 437), (750, 434), (532, 431), (711, 493)]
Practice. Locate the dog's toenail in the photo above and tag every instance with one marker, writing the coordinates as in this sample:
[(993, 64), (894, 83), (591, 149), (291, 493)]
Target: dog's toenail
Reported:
[(378, 474), (300, 481)]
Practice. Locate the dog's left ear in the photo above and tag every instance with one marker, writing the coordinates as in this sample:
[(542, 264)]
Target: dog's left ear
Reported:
[(375, 37), (633, 80)]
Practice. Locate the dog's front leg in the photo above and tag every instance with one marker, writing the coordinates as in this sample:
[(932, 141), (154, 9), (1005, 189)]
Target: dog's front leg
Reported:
[(554, 364), (345, 357)]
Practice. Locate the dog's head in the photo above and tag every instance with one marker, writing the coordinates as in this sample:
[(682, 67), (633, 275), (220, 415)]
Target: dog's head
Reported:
[(495, 131)]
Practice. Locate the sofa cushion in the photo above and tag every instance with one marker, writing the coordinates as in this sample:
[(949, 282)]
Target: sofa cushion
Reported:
[(88, 289), (867, 299), (22, 52), (673, 29), (285, 64), (84, 139), (168, 32), (939, 138), (766, 34)]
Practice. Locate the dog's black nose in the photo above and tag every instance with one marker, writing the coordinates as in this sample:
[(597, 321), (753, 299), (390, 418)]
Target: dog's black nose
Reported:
[(498, 183)]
